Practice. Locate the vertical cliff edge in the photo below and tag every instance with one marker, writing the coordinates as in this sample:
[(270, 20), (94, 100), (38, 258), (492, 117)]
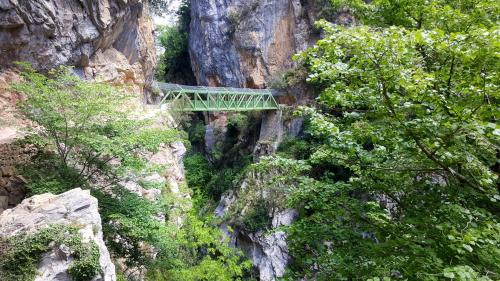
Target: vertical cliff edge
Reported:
[(105, 40), (243, 43)]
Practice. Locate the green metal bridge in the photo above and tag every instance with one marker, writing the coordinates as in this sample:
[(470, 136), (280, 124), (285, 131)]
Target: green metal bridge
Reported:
[(200, 98)]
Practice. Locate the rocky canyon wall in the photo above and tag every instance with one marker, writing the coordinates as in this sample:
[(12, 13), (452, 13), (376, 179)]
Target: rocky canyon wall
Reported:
[(243, 43), (105, 40), (248, 43)]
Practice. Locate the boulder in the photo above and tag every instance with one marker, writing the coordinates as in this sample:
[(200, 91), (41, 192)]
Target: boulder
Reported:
[(75, 207)]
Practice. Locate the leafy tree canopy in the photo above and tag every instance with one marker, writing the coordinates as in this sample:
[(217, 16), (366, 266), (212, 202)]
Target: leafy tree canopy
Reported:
[(403, 183)]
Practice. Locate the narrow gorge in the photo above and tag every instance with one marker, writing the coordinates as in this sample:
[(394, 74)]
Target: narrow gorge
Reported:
[(200, 140)]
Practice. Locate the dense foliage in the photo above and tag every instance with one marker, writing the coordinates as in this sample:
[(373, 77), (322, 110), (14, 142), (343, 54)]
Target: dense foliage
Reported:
[(88, 137), (174, 64), (209, 182), (403, 151), (88, 125), (21, 253)]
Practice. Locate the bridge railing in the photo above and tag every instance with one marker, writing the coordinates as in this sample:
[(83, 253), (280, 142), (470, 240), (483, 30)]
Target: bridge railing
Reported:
[(200, 98)]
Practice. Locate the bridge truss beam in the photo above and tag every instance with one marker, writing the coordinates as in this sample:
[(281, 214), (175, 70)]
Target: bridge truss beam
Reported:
[(189, 98)]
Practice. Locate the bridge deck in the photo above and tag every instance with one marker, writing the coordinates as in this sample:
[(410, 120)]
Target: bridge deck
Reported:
[(201, 98)]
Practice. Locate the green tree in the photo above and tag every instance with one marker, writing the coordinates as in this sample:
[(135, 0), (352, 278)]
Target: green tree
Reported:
[(88, 125), (174, 65), (404, 174)]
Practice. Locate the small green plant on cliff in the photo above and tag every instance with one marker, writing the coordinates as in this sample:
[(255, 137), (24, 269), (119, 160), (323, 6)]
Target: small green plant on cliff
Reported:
[(20, 254), (289, 78), (267, 184)]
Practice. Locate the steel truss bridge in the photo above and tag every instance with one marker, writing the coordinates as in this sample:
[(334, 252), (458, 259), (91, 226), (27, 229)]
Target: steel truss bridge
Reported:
[(200, 98)]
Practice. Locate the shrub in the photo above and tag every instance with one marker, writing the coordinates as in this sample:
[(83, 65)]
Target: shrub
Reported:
[(295, 148), (174, 65), (22, 253), (257, 217), (197, 133)]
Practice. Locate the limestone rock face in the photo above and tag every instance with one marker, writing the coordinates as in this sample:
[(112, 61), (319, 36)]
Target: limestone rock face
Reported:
[(271, 134), (267, 251), (244, 42), (74, 207), (81, 33)]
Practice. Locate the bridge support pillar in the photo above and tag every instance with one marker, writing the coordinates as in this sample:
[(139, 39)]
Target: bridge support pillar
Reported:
[(271, 134)]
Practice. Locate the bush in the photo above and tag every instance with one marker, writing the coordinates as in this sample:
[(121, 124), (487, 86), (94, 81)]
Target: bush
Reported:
[(287, 79), (198, 171), (197, 133), (44, 175), (257, 217), (238, 122), (22, 253), (295, 148), (174, 65), (130, 227)]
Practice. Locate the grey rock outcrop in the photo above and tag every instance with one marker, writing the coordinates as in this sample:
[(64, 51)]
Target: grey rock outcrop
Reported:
[(75, 207), (268, 251), (106, 40), (171, 156), (276, 126), (243, 43), (271, 134)]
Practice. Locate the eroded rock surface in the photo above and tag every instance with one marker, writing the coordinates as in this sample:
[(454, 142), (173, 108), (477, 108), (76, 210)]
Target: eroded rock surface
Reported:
[(83, 34), (268, 251), (75, 207), (243, 43)]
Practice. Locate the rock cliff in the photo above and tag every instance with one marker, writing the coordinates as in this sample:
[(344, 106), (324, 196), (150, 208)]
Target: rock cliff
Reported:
[(267, 250), (75, 207), (243, 43), (106, 40), (250, 44)]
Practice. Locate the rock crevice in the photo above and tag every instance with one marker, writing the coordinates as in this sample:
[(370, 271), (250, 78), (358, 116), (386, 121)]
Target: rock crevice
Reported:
[(244, 43)]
